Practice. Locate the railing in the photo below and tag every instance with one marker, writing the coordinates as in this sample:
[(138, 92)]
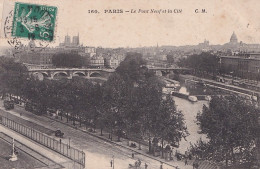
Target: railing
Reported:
[(64, 149)]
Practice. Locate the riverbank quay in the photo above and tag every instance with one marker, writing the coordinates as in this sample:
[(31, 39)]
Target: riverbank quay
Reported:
[(244, 92)]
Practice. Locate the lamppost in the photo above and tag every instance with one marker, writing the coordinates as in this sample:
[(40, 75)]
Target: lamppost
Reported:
[(69, 142), (13, 156), (113, 162), (258, 145)]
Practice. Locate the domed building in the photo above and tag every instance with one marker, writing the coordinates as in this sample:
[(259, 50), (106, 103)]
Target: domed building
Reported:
[(233, 44), (233, 38)]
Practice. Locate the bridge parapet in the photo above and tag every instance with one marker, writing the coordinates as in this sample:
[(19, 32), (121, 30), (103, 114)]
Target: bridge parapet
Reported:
[(160, 71), (71, 69), (52, 73)]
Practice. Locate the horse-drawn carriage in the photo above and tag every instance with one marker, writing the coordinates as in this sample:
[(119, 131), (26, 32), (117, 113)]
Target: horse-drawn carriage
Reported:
[(136, 165), (195, 164)]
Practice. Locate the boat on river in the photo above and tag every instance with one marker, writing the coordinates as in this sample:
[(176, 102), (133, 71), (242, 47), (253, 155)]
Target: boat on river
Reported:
[(185, 96), (208, 98), (193, 98), (181, 95)]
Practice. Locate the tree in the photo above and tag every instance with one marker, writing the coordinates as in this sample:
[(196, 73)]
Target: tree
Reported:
[(122, 92), (67, 60), (231, 126), (134, 98), (12, 76), (148, 99), (95, 103), (132, 69), (168, 123), (175, 76), (204, 62), (115, 94)]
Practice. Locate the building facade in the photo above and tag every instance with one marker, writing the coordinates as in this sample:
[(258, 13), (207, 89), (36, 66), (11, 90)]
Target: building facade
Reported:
[(97, 61), (243, 65), (111, 62), (34, 55)]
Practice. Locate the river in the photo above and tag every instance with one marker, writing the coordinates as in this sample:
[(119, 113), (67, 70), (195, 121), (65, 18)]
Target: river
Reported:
[(189, 110)]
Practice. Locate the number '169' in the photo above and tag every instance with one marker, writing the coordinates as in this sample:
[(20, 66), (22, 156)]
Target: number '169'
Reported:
[(93, 11)]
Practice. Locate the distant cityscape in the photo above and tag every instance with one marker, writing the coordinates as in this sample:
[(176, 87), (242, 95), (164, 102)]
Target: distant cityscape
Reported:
[(235, 57)]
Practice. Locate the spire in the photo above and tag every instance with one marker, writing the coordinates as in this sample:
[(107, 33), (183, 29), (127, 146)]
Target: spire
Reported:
[(78, 38)]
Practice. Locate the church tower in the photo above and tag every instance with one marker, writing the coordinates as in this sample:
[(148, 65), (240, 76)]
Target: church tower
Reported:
[(67, 40), (75, 40)]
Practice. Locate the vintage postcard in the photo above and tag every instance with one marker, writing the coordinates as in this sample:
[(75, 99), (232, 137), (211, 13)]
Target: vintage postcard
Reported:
[(130, 84)]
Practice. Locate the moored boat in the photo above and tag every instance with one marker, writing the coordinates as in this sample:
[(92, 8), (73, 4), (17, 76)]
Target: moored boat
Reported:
[(208, 98), (181, 95), (193, 98)]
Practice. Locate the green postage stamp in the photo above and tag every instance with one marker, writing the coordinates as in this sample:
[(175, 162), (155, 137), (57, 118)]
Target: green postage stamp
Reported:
[(34, 21)]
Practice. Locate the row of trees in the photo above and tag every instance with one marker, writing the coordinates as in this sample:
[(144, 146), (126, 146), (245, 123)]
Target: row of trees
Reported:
[(131, 100)]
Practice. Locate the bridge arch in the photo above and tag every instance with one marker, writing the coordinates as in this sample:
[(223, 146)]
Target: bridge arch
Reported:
[(59, 74), (164, 73), (45, 74), (79, 73), (95, 74), (158, 73), (38, 75)]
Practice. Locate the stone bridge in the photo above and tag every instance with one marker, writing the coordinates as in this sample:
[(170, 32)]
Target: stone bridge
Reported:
[(166, 71), (56, 73)]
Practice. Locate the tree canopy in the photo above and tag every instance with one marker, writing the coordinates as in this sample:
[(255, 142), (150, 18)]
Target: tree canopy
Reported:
[(231, 126), (70, 60), (201, 62), (135, 95), (12, 76)]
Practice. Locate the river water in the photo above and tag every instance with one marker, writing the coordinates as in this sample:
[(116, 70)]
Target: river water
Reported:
[(189, 110)]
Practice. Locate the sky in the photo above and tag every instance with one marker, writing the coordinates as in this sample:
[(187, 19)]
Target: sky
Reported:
[(147, 29)]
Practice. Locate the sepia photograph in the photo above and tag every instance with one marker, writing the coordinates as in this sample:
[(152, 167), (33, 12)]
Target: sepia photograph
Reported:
[(129, 84)]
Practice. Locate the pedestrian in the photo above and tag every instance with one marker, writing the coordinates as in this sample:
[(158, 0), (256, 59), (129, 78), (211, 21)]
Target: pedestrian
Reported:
[(195, 164), (186, 161), (15, 151), (145, 166), (133, 155), (111, 163), (190, 157), (139, 162), (161, 166), (186, 158)]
